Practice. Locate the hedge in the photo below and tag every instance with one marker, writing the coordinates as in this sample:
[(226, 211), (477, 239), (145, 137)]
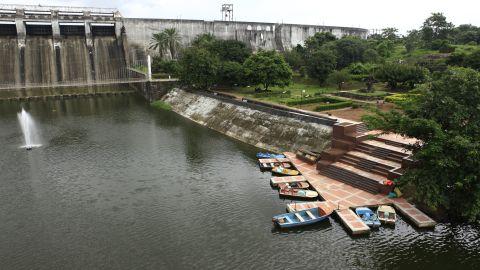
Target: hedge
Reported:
[(313, 100), (271, 94), (334, 106), (401, 98)]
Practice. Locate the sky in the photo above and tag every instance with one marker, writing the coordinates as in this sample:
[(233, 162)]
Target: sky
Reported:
[(370, 14)]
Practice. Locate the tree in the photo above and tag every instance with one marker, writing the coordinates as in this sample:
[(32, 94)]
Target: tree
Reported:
[(386, 48), (173, 41), (413, 40), (320, 64), (230, 50), (231, 73), (446, 120), (168, 39), (436, 27), (339, 78), (349, 50), (467, 33), (406, 75), (199, 68), (316, 41), (371, 56), (203, 40), (159, 42), (471, 60), (390, 33), (294, 59), (267, 68)]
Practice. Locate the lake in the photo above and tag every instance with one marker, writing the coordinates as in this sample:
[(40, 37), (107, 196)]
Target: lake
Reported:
[(117, 184)]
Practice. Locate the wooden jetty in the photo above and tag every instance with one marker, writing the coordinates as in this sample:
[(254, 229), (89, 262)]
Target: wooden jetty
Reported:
[(286, 179), (345, 197)]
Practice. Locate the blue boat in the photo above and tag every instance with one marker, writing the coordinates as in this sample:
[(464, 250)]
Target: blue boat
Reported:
[(269, 155), (368, 217), (300, 218)]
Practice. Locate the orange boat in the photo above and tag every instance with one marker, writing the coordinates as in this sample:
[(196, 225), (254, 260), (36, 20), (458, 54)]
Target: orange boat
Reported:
[(296, 193), (299, 185)]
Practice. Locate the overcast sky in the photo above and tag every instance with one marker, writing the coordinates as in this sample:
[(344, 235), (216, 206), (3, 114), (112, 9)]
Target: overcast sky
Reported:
[(370, 14)]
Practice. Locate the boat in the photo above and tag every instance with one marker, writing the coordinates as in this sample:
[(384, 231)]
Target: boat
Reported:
[(368, 217), (386, 214), (270, 155), (310, 157), (274, 181), (296, 193), (301, 218), (299, 185), (270, 165), (282, 171)]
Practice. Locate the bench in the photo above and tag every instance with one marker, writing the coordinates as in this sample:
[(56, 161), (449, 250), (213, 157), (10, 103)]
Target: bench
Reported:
[(299, 217), (310, 215)]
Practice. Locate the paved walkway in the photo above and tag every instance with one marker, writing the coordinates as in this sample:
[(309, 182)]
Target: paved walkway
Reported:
[(346, 197)]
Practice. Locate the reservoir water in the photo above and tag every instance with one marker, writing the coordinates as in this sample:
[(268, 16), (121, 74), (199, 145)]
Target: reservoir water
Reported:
[(120, 185)]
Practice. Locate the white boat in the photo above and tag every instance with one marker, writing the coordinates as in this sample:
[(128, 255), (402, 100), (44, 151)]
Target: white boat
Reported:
[(386, 214)]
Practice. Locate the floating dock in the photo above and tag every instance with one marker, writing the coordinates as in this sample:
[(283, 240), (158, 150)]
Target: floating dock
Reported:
[(344, 197), (286, 179)]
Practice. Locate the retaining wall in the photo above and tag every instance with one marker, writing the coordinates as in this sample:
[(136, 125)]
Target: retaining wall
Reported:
[(262, 128)]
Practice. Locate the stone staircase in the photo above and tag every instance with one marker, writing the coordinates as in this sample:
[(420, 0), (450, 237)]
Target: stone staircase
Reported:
[(371, 165), (381, 152), (361, 162), (350, 177)]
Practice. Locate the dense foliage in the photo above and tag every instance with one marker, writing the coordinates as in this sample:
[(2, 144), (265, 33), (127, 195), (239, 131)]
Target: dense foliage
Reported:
[(445, 117), (400, 74), (267, 68), (199, 68)]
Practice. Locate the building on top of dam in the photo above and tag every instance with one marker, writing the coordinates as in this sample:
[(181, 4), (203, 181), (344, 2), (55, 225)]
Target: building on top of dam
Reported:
[(53, 44)]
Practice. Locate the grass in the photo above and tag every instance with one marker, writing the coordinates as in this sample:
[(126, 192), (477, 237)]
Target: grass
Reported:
[(162, 105)]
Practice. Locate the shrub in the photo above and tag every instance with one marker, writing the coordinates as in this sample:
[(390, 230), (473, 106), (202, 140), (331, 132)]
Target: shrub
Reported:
[(160, 104), (165, 66)]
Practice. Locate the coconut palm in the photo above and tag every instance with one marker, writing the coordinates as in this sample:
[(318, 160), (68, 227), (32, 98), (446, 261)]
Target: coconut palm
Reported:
[(159, 42), (173, 41)]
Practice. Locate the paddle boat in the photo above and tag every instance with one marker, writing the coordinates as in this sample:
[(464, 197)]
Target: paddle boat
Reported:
[(274, 181), (269, 155), (368, 217), (283, 171), (310, 157), (300, 218), (270, 165), (386, 214), (296, 193), (299, 185)]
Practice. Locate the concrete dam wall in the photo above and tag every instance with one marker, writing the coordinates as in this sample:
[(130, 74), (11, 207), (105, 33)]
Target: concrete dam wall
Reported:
[(47, 47), (256, 35), (262, 129)]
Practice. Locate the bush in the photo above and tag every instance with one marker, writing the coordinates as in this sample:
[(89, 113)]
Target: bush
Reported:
[(401, 99), (165, 66), (162, 105)]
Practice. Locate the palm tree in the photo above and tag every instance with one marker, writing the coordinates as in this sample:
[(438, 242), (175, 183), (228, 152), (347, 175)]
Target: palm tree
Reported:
[(173, 40), (159, 41)]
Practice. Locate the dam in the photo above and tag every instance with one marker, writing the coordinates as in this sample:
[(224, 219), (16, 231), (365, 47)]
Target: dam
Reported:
[(52, 45)]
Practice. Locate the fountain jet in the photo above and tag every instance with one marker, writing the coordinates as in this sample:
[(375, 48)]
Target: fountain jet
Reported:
[(29, 130)]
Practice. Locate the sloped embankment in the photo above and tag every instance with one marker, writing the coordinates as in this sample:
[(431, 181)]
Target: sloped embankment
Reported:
[(264, 130)]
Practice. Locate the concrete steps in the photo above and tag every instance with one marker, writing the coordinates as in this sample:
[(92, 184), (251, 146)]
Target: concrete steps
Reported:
[(370, 165), (351, 178), (380, 152)]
